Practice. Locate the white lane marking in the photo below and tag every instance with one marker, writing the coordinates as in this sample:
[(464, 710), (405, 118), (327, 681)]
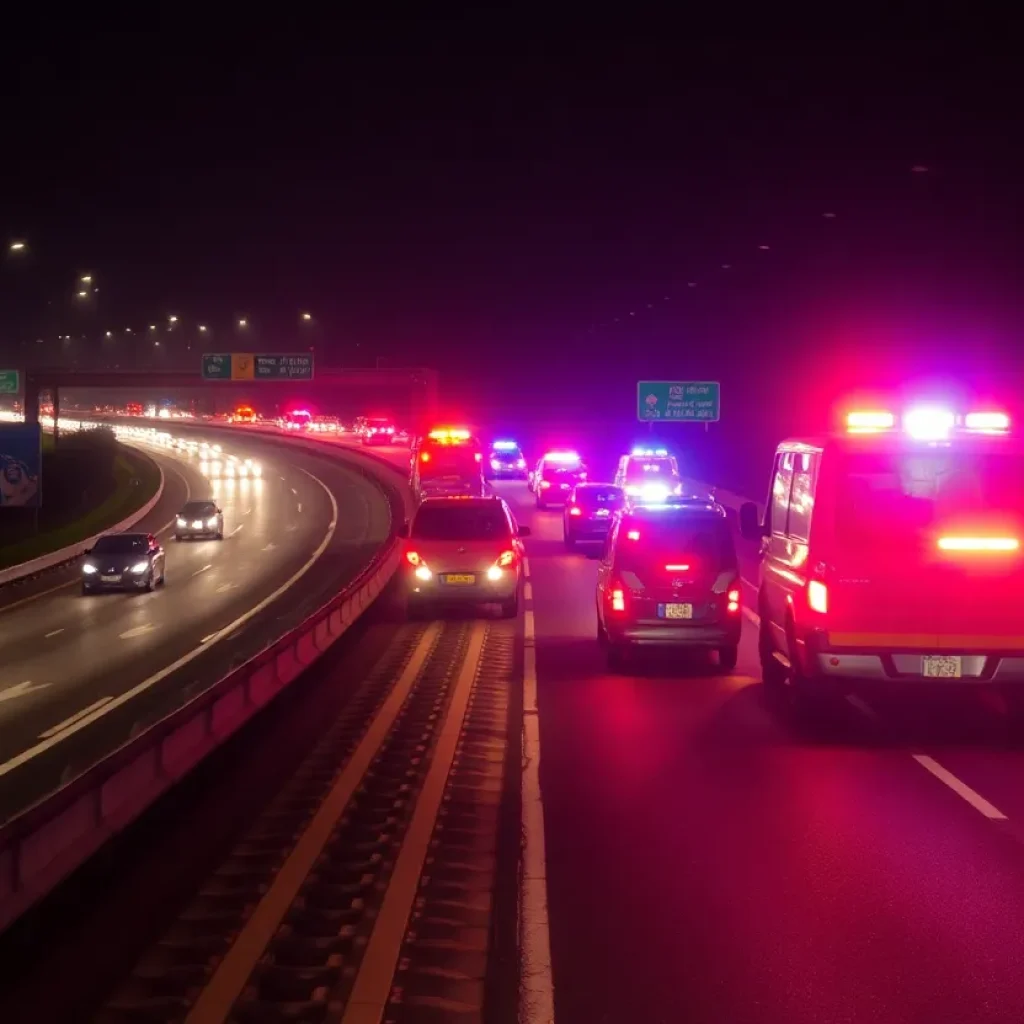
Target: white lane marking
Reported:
[(753, 586), (54, 632), (61, 726), (300, 506), (34, 751), (236, 529), (750, 614), (976, 800), (526, 568), (536, 981), (527, 591), (137, 631), (862, 706), (225, 587), (270, 547), (295, 492), (21, 690), (247, 512), (204, 568)]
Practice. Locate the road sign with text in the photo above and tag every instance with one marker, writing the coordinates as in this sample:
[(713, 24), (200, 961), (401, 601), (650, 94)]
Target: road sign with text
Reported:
[(8, 382), (258, 366), (678, 401)]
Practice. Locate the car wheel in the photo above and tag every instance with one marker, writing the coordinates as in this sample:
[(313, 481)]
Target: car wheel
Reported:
[(150, 582), (773, 674), (86, 590), (510, 608), (220, 535), (177, 537), (727, 658)]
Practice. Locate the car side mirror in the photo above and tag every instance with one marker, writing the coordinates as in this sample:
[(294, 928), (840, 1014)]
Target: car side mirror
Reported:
[(404, 531), (751, 527), (524, 531)]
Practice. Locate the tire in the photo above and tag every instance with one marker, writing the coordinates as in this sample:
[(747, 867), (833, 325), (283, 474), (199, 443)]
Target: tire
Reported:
[(150, 582), (510, 608), (773, 675), (177, 537), (728, 657), (86, 591)]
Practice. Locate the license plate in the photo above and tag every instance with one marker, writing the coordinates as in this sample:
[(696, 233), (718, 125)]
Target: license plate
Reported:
[(678, 611), (939, 666), (110, 579), (460, 578)]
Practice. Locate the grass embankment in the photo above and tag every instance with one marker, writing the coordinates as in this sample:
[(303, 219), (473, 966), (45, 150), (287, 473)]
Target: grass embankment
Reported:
[(90, 483)]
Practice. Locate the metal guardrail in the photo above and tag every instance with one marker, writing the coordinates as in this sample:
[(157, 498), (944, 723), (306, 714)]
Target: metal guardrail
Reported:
[(44, 844)]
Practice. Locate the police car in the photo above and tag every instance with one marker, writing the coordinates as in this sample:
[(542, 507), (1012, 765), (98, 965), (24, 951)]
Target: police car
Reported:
[(649, 474), (891, 557)]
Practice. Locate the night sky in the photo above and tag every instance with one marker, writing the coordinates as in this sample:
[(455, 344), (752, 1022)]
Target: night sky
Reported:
[(569, 213)]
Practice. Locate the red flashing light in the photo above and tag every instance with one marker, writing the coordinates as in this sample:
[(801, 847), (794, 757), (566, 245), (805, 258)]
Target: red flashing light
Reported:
[(734, 602), (618, 601), (413, 558), (478, 456), (545, 484), (575, 511), (817, 597), (677, 568), (868, 422), (506, 558), (633, 535), (424, 456)]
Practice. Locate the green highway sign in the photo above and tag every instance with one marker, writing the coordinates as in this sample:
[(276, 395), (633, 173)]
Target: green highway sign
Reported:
[(285, 366), (250, 366), (8, 382), (217, 366), (678, 401)]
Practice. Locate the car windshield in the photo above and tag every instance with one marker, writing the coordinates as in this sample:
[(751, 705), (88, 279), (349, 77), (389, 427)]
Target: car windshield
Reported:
[(599, 497), (506, 453), (121, 545), (199, 508), (894, 497), (646, 469), (465, 522), (702, 539)]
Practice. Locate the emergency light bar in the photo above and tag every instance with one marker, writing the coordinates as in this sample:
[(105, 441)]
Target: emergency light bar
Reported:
[(449, 435), (565, 457), (979, 544), (651, 453), (505, 446), (927, 423)]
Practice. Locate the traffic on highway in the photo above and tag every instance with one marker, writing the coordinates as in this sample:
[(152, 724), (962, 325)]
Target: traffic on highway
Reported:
[(700, 716)]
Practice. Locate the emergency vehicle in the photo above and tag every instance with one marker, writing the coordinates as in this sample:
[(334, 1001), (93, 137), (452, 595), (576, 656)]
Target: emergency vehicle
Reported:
[(244, 414), (448, 462), (891, 557)]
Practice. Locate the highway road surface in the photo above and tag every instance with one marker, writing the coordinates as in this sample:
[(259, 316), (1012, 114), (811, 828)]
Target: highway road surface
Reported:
[(83, 673)]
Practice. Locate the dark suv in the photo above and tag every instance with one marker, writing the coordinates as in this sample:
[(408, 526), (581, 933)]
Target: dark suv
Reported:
[(589, 512), (670, 576)]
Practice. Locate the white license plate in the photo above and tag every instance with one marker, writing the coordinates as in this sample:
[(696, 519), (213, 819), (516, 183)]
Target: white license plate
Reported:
[(460, 578), (941, 666), (679, 611), (110, 579)]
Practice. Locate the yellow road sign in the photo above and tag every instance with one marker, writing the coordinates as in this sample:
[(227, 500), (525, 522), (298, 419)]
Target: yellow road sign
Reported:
[(242, 366)]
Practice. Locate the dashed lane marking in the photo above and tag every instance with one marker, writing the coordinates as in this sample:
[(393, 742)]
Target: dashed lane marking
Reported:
[(975, 799), (203, 569), (130, 634), (21, 690), (61, 726), (54, 632), (236, 529)]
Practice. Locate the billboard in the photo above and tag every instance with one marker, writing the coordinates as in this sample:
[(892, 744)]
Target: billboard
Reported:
[(21, 465)]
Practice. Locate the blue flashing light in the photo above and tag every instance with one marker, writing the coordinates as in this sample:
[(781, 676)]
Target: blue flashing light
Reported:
[(650, 453), (505, 446), (562, 457)]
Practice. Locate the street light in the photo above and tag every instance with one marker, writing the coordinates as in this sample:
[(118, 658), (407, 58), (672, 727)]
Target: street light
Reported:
[(87, 279), (307, 316), (17, 247), (202, 327), (127, 330), (173, 319), (110, 334), (83, 295), (243, 323), (152, 327)]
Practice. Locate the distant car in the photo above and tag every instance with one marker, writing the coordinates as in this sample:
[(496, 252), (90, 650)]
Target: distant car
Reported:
[(506, 462), (589, 512), (199, 519), (670, 577), (124, 561), (375, 430), (464, 550), (556, 476)]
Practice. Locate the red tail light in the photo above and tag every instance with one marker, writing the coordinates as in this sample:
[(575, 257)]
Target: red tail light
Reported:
[(734, 601), (424, 456), (618, 599), (506, 558), (575, 510), (676, 567), (633, 535), (817, 597), (545, 483), (413, 558), (478, 456)]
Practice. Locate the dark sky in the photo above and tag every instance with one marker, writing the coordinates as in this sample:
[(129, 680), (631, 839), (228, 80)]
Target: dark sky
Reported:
[(447, 191)]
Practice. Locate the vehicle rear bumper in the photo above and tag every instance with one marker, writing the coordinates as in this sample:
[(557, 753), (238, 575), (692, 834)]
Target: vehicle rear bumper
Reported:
[(483, 591), (135, 583), (898, 667), (585, 533), (647, 635)]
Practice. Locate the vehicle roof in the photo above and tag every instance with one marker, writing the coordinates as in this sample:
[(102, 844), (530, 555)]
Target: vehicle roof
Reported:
[(597, 483), (461, 501), (130, 534), (681, 509)]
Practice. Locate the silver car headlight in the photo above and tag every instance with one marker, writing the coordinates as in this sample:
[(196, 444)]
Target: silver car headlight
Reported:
[(140, 567), (211, 522), (88, 569), (180, 521)]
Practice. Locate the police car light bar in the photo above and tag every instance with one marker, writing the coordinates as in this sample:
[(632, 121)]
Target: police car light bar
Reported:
[(650, 453), (505, 446), (562, 457), (929, 424), (449, 435), (987, 422), (868, 422)]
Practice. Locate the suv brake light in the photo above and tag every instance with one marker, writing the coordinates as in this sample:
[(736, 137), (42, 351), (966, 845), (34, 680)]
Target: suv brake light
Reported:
[(817, 597), (575, 510), (734, 601), (618, 599)]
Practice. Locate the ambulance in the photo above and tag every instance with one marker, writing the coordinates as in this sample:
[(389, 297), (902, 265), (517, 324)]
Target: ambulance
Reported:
[(891, 558), (448, 461)]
